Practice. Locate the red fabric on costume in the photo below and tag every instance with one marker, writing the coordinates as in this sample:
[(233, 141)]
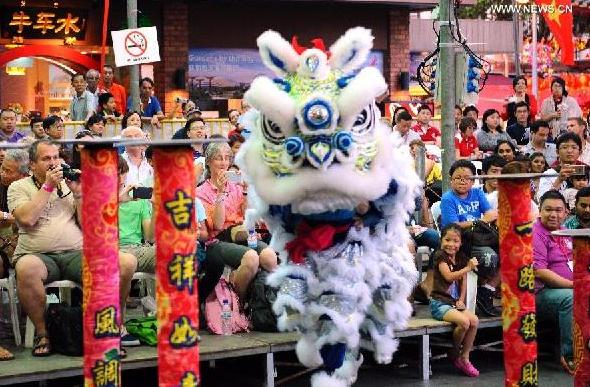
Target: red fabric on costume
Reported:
[(312, 239)]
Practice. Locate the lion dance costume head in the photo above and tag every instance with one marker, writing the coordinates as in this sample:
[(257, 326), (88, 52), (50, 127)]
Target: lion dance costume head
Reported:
[(335, 191)]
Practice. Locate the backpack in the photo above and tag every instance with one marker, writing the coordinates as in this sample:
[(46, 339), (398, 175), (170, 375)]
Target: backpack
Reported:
[(145, 329), (64, 328), (262, 296), (213, 306)]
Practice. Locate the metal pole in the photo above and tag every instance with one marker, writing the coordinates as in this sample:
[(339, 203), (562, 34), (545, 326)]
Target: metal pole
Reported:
[(534, 55), (420, 162), (446, 71), (516, 41), (134, 69)]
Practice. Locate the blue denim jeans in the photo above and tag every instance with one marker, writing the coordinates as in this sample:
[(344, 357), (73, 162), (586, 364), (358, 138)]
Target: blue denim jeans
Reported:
[(556, 305)]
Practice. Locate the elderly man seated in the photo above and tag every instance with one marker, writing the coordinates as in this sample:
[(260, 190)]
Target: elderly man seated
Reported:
[(47, 212), (553, 268), (140, 172), (15, 166)]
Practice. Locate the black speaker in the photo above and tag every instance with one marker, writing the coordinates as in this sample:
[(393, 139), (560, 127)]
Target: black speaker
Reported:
[(404, 80), (180, 79)]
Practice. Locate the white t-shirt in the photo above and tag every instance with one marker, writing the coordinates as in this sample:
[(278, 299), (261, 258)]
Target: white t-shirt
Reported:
[(493, 199)]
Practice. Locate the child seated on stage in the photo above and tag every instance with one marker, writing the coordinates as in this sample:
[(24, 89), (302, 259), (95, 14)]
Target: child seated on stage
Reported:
[(447, 301)]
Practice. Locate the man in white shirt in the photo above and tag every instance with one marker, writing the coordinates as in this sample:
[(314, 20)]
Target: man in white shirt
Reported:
[(403, 127), (140, 171)]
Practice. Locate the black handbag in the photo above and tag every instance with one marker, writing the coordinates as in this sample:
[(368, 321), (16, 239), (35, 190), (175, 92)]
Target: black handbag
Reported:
[(480, 234), (64, 327)]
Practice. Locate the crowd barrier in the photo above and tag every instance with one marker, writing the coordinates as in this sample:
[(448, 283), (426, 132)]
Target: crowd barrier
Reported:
[(165, 131)]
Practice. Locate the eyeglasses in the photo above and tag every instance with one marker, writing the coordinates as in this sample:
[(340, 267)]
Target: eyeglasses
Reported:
[(569, 146), (462, 179)]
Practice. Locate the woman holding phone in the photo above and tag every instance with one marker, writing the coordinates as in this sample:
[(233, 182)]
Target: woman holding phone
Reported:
[(225, 204)]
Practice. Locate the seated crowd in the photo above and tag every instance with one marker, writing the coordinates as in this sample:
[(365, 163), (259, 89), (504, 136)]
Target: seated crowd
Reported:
[(40, 217), (555, 145)]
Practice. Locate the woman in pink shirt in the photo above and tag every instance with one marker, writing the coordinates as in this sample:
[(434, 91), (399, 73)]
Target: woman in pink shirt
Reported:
[(225, 203)]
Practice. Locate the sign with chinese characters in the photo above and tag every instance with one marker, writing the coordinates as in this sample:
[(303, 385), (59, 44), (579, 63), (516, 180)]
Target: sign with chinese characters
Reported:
[(135, 46), (42, 23)]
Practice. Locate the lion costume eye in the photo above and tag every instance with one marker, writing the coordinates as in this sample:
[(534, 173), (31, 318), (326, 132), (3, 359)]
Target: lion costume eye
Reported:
[(365, 121), (271, 131)]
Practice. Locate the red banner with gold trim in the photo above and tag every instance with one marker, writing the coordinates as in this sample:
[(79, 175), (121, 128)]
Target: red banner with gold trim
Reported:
[(518, 283), (176, 267)]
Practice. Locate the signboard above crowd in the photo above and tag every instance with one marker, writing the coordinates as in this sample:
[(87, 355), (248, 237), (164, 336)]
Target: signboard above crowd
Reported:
[(42, 23)]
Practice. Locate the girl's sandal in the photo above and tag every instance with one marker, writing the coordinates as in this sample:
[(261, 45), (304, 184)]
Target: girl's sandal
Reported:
[(5, 354), (41, 346)]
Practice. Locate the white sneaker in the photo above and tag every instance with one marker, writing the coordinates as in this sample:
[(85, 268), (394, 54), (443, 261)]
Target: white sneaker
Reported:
[(127, 339)]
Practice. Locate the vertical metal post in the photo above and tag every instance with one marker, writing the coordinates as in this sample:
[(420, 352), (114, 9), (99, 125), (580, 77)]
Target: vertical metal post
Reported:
[(134, 69), (447, 87), (516, 41), (534, 55), (420, 162)]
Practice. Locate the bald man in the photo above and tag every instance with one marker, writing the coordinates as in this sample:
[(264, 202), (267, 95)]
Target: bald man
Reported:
[(140, 172)]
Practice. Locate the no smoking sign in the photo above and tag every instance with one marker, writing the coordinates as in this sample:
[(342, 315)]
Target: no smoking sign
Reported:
[(135, 43), (136, 46)]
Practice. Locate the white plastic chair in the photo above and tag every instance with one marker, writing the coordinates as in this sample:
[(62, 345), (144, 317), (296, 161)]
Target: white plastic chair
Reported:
[(471, 294), (147, 288), (65, 295), (10, 285), (478, 171), (147, 283), (435, 210)]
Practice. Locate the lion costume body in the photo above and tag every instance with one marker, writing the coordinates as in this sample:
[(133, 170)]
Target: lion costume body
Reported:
[(329, 180)]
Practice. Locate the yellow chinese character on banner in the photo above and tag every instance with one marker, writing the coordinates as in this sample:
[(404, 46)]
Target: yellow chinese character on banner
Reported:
[(189, 380), (21, 20), (526, 278), (106, 374), (67, 24), (180, 209), (44, 22), (183, 334), (182, 272), (528, 327), (529, 376), (106, 323)]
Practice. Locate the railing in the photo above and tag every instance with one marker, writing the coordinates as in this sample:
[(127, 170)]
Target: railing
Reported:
[(167, 129)]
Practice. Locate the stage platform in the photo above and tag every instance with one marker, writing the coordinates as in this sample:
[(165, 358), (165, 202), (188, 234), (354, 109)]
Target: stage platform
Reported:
[(26, 368)]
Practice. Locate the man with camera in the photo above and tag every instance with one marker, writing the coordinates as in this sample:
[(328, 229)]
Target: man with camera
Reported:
[(47, 209)]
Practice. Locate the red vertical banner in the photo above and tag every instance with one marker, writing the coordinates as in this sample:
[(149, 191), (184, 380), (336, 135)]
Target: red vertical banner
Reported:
[(518, 283), (176, 267), (100, 267), (581, 323)]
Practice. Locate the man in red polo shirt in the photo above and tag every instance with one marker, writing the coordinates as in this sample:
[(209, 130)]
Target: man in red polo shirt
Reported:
[(108, 85)]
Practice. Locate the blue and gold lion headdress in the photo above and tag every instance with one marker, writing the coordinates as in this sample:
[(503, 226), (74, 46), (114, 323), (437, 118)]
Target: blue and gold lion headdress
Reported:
[(317, 151)]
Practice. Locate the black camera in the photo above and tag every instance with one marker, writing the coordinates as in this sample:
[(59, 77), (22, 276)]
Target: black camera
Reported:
[(70, 173)]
